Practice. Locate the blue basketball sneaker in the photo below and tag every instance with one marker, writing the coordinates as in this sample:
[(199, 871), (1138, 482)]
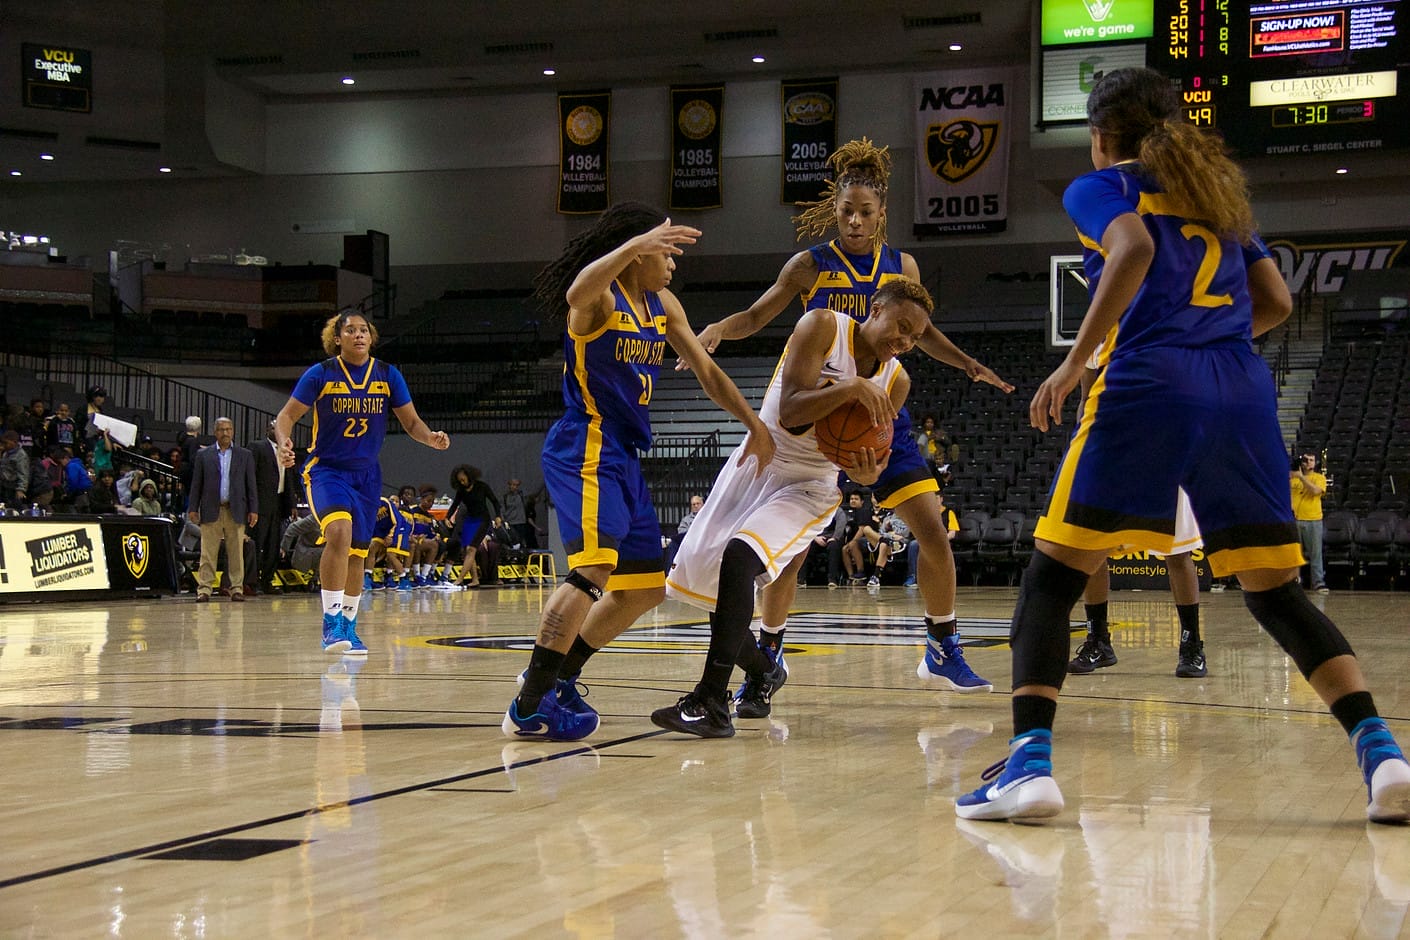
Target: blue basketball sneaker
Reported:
[(334, 639), (355, 645), (753, 700), (571, 693), (367, 581), (404, 584), (1025, 788), (549, 720), (944, 664), (1385, 771)]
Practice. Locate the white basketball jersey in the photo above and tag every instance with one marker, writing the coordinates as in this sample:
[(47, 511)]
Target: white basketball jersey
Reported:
[(801, 449)]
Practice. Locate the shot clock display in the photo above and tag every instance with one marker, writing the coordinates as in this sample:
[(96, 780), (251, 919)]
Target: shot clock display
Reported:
[(1298, 76)]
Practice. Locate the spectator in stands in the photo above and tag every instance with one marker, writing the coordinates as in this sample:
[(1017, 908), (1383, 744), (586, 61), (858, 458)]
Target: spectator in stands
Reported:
[(148, 502), (14, 470), (129, 486), (31, 428), (97, 396), (148, 448), (189, 442), (77, 483), (223, 501), (62, 431), (1308, 488), (101, 446), (697, 503), (172, 490), (515, 509), (302, 546), (895, 537), (934, 446), (829, 545), (102, 498), (861, 529)]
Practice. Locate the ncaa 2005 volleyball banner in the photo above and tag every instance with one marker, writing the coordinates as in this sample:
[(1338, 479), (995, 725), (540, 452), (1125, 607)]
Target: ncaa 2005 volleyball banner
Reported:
[(582, 152), (809, 138), (963, 127), (697, 118)]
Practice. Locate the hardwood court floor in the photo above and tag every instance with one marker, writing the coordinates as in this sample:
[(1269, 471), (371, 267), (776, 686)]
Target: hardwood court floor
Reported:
[(175, 770)]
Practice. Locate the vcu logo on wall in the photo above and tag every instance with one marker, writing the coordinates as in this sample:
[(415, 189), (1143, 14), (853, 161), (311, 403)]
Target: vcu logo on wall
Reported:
[(134, 553), (958, 149)]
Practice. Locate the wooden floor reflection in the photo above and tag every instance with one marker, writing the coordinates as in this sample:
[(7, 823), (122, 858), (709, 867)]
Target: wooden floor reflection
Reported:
[(181, 770)]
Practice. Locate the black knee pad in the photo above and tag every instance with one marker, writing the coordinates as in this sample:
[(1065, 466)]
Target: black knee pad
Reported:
[(583, 584), (1040, 631), (1304, 632)]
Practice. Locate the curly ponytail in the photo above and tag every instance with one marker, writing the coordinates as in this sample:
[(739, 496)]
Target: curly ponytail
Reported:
[(1138, 115), (855, 163)]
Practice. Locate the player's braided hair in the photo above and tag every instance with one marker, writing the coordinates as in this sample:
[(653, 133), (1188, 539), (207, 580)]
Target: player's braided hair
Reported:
[(1138, 114), (855, 163), (621, 222)]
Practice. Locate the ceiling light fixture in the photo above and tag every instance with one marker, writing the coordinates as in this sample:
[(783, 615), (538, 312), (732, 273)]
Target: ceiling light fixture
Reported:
[(16, 173), (349, 80), (550, 72), (955, 47), (163, 169), (757, 60), (46, 156), (1342, 171)]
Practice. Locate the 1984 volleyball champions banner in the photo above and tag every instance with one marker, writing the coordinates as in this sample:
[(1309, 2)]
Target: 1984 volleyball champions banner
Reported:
[(582, 152), (963, 128)]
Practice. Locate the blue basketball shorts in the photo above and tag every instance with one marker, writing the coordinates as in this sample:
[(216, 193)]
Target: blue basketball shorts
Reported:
[(605, 513), (1204, 419), (341, 493), (906, 474)]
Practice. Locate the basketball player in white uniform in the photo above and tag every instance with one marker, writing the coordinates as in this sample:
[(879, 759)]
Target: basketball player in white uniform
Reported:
[(1095, 651), (756, 521)]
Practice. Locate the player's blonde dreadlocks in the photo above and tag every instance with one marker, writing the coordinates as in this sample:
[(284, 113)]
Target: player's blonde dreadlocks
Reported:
[(857, 162)]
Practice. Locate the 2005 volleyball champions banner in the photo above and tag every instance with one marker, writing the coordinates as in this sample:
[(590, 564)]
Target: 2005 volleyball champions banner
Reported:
[(964, 124)]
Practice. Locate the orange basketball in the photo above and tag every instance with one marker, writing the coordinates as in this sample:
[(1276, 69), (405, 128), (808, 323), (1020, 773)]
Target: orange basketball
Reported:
[(848, 431)]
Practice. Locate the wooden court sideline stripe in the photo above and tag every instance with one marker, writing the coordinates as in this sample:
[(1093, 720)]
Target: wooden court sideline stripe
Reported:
[(303, 813)]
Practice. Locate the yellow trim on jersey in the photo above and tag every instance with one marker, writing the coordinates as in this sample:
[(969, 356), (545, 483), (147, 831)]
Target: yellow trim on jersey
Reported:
[(689, 593), (1088, 243), (1126, 540), (643, 318), (1227, 561), (351, 384), (595, 556), (1062, 486), (1156, 204), (636, 582), (910, 491), (308, 482), (857, 276), (325, 521), (357, 553), (771, 557), (592, 489)]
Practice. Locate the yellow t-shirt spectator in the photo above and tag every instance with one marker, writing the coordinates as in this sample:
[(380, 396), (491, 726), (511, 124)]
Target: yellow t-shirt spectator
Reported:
[(1307, 506)]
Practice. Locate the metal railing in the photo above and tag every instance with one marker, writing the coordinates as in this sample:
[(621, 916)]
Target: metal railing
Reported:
[(677, 466)]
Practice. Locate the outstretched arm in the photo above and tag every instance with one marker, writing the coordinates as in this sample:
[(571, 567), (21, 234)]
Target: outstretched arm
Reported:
[(801, 401), (418, 431), (796, 277), (588, 298), (713, 380)]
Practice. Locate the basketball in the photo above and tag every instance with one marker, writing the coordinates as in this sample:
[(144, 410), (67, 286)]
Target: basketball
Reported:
[(847, 431)]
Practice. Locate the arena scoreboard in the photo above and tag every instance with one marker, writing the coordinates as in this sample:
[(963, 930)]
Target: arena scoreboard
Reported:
[(1293, 77), (1275, 78)]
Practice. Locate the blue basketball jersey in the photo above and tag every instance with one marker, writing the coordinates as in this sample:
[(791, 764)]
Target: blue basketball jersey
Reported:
[(846, 283), (1196, 291), (350, 409), (609, 374)]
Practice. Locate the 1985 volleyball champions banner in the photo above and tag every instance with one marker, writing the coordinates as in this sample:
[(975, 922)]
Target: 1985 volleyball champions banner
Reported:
[(963, 129), (697, 119)]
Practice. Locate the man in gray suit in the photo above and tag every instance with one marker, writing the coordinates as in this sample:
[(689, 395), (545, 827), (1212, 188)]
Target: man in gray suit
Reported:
[(223, 501)]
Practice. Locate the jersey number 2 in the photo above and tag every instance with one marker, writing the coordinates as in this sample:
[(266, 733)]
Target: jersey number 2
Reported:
[(356, 427), (1200, 295)]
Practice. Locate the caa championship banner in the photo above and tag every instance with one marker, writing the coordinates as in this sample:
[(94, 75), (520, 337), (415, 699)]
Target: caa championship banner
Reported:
[(52, 557), (809, 138), (963, 122)]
